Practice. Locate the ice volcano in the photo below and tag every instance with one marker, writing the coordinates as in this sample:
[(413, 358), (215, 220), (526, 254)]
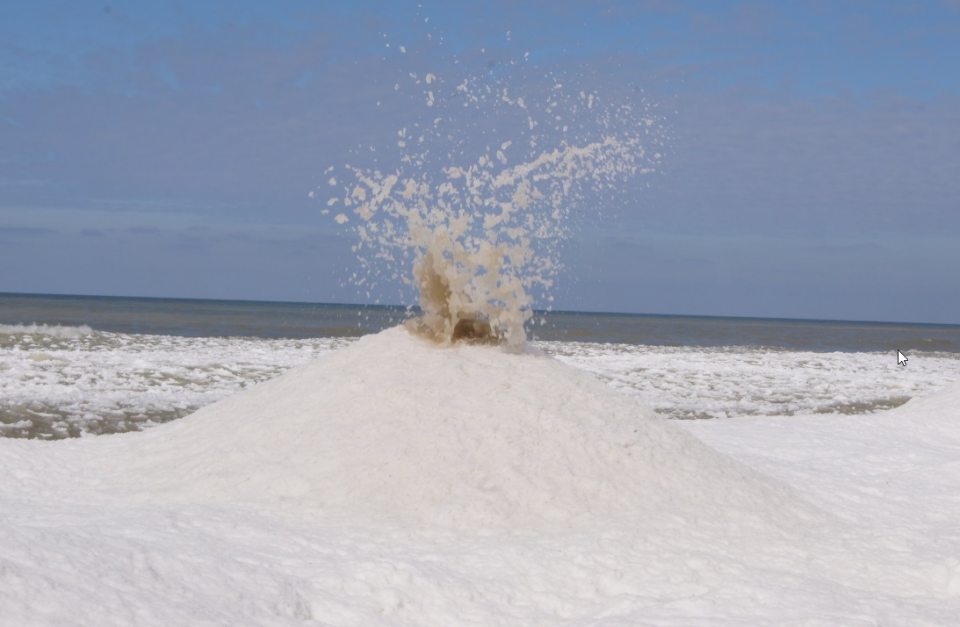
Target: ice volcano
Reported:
[(397, 429), (487, 187), (451, 420)]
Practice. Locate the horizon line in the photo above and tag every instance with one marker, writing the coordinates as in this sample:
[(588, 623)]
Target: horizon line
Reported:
[(536, 311)]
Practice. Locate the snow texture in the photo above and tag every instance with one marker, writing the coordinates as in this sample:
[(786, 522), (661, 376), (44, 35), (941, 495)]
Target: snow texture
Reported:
[(69, 381), (59, 382), (734, 381), (397, 483)]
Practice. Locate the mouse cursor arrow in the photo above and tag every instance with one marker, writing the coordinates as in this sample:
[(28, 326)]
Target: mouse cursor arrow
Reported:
[(901, 360)]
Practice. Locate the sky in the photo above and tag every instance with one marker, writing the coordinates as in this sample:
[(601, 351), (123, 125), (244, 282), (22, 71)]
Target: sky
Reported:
[(811, 167)]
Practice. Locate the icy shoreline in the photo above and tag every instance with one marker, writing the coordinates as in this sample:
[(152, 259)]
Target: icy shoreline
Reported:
[(71, 381), (561, 516)]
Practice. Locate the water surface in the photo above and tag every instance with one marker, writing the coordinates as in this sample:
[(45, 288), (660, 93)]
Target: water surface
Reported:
[(218, 318)]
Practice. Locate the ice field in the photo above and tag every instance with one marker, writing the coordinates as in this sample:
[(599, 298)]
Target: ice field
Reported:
[(395, 482), (69, 381)]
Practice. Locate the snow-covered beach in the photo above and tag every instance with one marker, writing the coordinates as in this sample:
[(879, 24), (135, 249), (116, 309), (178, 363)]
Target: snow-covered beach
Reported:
[(396, 482), (510, 314), (63, 381)]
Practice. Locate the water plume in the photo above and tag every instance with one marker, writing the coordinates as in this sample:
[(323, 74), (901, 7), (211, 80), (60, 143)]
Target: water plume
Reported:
[(476, 208)]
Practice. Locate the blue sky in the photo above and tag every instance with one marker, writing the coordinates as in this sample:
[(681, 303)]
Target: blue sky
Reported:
[(167, 149)]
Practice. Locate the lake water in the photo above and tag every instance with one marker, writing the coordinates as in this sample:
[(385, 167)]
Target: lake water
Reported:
[(215, 318)]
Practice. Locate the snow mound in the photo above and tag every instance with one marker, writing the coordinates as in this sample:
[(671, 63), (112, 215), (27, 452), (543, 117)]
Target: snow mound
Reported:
[(397, 429), (944, 403)]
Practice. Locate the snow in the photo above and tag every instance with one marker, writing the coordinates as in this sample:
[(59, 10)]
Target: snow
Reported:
[(397, 429), (71, 381), (394, 482), (735, 381)]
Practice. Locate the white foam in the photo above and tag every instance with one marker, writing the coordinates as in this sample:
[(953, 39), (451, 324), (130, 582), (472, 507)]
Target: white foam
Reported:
[(44, 329)]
